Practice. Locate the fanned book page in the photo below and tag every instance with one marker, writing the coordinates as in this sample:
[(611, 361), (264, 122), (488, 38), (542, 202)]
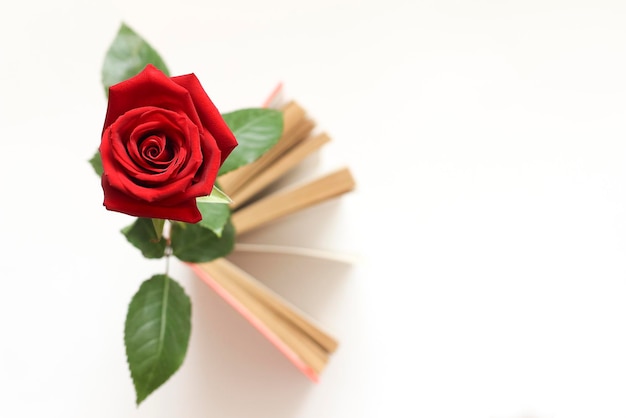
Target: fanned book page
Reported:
[(254, 204)]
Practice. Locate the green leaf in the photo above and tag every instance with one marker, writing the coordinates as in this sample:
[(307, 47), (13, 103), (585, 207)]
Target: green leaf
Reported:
[(214, 216), (96, 163), (158, 225), (143, 235), (156, 333), (128, 54), (256, 130), (216, 196), (196, 244)]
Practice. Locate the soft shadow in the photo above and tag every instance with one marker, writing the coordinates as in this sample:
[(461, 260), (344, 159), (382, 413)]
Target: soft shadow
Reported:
[(236, 371), (314, 227), (311, 284)]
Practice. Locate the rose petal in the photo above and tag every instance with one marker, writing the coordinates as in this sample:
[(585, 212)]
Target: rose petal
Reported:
[(203, 183), (130, 173), (150, 87), (184, 211), (209, 115)]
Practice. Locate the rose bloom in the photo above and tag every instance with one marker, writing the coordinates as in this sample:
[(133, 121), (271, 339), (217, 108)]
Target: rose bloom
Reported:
[(163, 143)]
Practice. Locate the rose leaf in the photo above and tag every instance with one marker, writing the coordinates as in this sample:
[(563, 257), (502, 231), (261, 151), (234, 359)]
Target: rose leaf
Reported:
[(196, 244), (96, 163), (156, 333), (142, 234), (214, 216), (256, 130), (127, 55)]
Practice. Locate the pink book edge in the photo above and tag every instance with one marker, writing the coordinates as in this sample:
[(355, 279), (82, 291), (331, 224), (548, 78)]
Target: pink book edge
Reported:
[(261, 327), (273, 100)]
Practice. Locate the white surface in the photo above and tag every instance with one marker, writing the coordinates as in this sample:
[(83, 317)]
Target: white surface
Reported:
[(487, 140)]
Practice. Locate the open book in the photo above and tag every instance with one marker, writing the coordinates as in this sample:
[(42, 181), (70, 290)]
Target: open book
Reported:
[(292, 331)]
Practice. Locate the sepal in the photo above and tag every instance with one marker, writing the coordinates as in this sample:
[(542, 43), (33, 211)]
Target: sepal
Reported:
[(196, 244), (143, 235)]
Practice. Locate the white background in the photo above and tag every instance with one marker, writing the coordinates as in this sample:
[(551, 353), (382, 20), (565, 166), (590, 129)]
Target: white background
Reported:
[(487, 140)]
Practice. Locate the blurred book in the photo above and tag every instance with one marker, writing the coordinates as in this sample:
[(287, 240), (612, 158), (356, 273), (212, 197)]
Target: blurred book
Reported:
[(257, 202)]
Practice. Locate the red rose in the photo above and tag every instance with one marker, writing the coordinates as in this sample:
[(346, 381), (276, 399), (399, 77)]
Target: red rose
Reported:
[(163, 143)]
